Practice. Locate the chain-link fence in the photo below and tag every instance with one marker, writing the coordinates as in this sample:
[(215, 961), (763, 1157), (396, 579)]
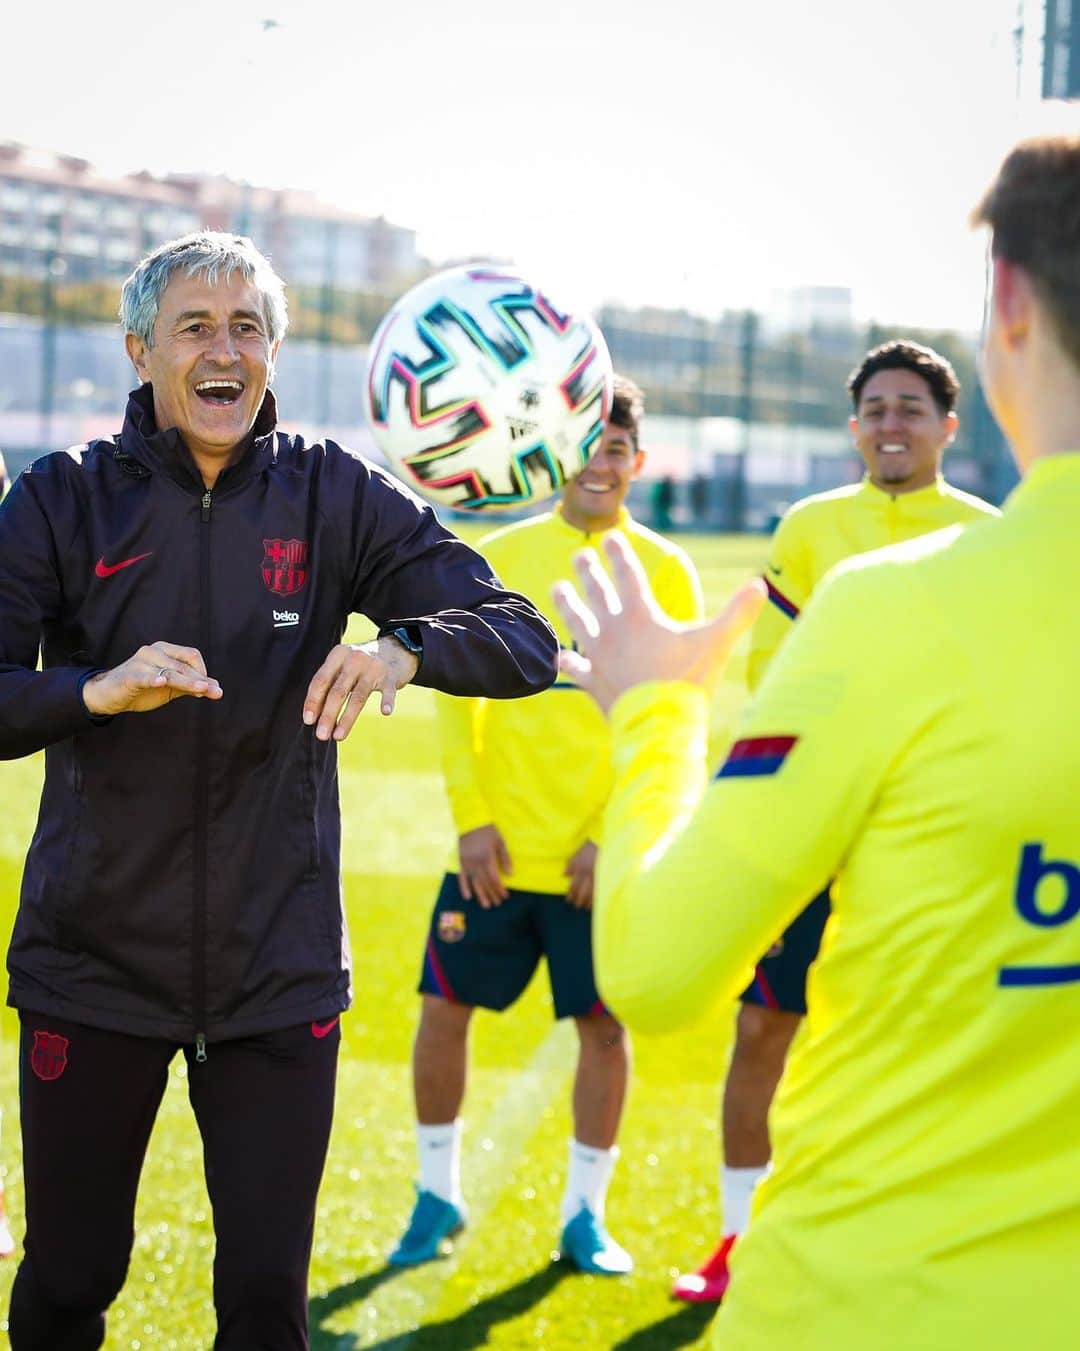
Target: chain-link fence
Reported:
[(741, 420)]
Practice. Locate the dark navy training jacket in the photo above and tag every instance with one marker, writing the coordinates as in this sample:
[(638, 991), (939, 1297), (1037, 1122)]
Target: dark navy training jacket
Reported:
[(183, 881)]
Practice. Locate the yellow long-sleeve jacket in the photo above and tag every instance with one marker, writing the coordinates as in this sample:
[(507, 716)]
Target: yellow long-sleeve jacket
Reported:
[(540, 768), (820, 531)]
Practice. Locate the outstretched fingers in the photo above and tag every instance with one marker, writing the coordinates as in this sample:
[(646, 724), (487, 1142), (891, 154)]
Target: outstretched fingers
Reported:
[(578, 618), (181, 656), (601, 595), (737, 617), (631, 584), (181, 669), (388, 689)]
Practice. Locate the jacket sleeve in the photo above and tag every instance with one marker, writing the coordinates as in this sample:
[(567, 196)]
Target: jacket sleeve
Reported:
[(787, 576), (37, 708), (458, 724), (478, 638)]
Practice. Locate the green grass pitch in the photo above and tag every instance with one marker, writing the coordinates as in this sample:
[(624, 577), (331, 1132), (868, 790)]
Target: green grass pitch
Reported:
[(500, 1289)]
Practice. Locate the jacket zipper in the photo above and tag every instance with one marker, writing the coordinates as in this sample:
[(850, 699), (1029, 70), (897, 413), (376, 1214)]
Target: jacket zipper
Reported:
[(202, 776)]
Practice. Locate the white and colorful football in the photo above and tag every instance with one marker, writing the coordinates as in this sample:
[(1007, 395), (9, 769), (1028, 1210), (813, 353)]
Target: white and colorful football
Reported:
[(483, 392)]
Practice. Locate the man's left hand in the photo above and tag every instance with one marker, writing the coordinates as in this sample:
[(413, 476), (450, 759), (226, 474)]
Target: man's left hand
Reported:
[(348, 677), (581, 870), (623, 638)]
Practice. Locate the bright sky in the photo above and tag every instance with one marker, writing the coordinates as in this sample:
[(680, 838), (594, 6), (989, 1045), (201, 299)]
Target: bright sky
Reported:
[(677, 152)]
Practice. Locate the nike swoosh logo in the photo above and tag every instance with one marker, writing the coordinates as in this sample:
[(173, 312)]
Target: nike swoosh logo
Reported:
[(321, 1030), (775, 571), (104, 569)]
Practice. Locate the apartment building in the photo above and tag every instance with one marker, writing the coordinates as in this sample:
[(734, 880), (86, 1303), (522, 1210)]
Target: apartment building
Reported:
[(61, 217)]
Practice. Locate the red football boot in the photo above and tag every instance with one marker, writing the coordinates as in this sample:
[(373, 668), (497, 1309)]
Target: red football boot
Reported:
[(709, 1283)]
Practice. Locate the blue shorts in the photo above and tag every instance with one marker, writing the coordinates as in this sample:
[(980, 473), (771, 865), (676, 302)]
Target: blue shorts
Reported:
[(780, 977), (486, 958)]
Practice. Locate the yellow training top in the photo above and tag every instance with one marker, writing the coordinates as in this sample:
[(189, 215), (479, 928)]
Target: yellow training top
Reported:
[(540, 768), (818, 532), (917, 740)]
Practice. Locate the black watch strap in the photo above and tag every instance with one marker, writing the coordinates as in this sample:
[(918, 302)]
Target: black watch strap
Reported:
[(409, 636)]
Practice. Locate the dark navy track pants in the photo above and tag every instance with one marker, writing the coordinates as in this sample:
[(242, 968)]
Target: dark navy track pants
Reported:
[(89, 1097)]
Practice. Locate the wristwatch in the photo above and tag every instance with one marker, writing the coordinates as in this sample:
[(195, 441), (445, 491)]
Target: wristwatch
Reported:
[(410, 638)]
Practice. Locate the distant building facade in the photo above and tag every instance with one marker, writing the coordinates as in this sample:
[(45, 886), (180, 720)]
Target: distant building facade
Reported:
[(60, 217), (811, 309), (1061, 50)]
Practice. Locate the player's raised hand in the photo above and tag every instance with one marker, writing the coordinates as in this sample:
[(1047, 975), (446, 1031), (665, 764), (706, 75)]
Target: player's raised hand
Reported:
[(151, 677), (348, 677), (484, 863), (623, 638)]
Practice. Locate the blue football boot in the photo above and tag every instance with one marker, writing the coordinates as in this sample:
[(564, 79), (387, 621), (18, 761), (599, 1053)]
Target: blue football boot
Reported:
[(587, 1243), (432, 1222)]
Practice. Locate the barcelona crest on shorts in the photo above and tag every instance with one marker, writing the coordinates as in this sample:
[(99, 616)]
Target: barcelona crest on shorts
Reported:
[(451, 926)]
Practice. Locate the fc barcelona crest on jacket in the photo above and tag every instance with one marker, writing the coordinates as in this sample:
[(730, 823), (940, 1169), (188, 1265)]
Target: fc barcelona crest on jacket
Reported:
[(48, 1055), (284, 565)]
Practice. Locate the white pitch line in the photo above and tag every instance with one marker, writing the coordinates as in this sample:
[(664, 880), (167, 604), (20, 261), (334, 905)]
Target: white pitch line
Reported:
[(491, 1152)]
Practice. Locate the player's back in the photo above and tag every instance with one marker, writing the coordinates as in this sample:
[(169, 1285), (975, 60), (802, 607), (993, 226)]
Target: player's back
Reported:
[(927, 1132)]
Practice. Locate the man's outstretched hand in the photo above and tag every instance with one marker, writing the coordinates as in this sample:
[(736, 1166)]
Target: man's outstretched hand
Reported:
[(351, 673), (623, 638), (156, 673)]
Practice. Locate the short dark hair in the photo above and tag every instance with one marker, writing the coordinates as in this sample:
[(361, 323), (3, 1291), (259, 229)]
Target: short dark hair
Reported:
[(628, 407), (1033, 209), (902, 355)]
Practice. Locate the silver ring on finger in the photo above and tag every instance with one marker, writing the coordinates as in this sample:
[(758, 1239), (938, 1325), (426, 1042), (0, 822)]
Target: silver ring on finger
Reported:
[(162, 671)]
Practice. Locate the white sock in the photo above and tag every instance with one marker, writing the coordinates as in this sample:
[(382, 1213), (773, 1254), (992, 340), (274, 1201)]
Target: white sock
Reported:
[(587, 1179), (439, 1151), (736, 1194)]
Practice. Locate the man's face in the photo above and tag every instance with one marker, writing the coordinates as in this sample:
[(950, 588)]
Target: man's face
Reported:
[(591, 500), (900, 431), (210, 364)]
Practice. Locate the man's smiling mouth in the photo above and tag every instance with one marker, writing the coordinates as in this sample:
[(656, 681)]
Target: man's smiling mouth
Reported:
[(219, 391)]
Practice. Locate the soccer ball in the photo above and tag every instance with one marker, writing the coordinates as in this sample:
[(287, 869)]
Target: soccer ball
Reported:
[(482, 393)]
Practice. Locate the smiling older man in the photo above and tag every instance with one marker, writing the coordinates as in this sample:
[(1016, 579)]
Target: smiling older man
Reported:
[(182, 890)]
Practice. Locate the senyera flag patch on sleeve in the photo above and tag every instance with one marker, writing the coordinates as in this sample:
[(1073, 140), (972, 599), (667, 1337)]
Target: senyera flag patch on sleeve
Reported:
[(755, 756)]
